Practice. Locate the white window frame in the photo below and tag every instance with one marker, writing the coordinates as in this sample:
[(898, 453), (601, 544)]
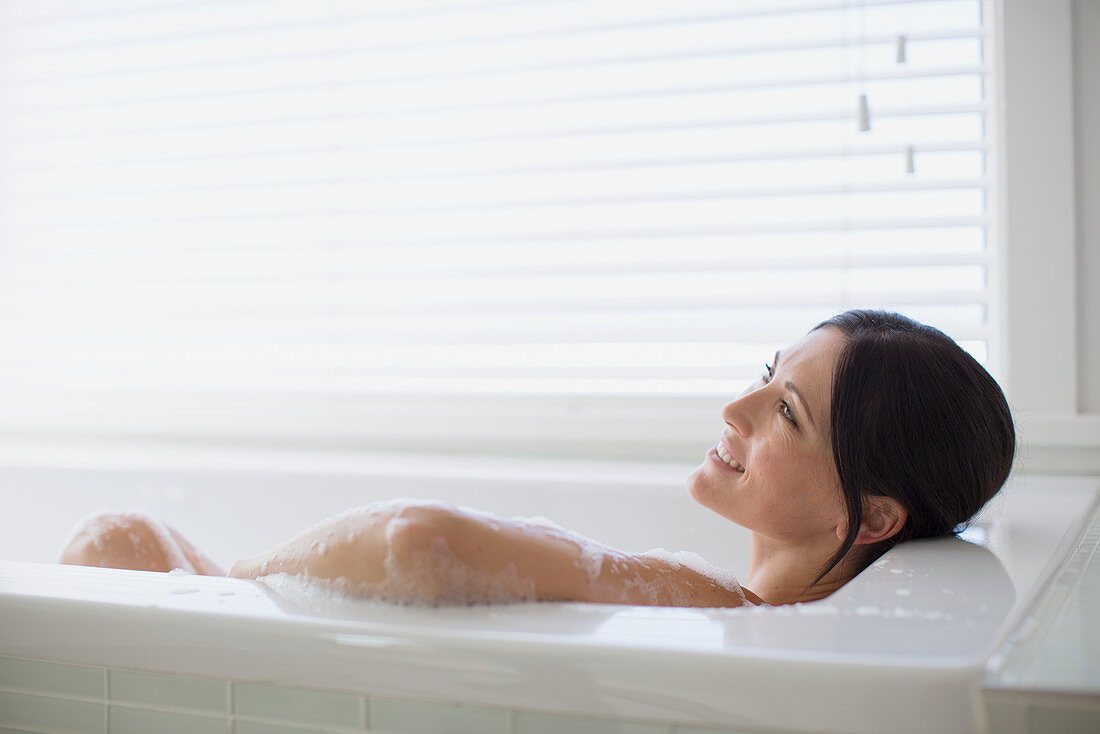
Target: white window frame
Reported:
[(1037, 358), (1041, 353)]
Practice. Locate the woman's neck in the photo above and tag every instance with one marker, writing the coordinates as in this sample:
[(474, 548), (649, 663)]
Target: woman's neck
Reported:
[(781, 574)]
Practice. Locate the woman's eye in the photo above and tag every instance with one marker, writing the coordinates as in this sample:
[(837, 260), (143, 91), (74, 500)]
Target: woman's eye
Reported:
[(785, 409)]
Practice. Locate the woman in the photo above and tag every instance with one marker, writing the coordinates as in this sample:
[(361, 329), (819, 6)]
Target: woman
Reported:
[(869, 431)]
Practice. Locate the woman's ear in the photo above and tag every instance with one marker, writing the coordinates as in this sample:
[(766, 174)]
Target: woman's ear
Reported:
[(883, 517)]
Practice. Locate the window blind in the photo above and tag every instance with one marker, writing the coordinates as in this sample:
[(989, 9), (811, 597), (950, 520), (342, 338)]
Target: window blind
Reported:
[(252, 202)]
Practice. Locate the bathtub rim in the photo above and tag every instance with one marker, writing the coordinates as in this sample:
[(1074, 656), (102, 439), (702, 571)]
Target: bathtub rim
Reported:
[(602, 680), (620, 680), (965, 673)]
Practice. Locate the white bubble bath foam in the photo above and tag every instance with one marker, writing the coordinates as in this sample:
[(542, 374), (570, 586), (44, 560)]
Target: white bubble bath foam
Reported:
[(901, 648)]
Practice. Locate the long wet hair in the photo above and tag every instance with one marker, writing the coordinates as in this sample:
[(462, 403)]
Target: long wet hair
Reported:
[(917, 419)]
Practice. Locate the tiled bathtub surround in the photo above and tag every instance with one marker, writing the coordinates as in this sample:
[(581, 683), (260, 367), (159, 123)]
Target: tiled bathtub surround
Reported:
[(48, 697), (1046, 678), (229, 655)]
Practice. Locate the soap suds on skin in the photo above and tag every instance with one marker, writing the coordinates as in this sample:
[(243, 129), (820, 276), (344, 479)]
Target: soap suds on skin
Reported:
[(97, 525), (592, 554), (437, 576), (433, 577), (693, 561)]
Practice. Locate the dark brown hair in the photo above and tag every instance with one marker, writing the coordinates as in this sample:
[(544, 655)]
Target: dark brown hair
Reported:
[(917, 419)]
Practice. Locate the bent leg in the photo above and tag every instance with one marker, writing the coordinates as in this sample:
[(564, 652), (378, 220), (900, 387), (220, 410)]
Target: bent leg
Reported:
[(135, 541)]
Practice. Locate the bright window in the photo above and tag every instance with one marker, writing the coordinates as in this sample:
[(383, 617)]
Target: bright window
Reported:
[(357, 209)]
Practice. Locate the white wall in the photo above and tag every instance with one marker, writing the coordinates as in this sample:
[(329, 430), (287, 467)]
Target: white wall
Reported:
[(1048, 98), (1086, 98)]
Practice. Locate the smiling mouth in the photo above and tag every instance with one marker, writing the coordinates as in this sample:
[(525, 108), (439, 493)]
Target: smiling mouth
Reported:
[(725, 456)]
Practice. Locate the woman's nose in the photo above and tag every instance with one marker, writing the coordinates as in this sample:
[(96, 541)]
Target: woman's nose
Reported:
[(736, 414)]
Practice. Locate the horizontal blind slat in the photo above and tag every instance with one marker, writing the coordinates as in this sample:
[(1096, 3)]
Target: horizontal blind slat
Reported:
[(351, 256), (345, 105), (16, 13), (303, 329), (292, 156), (526, 22), (524, 89), (183, 267), (924, 49), (490, 197)]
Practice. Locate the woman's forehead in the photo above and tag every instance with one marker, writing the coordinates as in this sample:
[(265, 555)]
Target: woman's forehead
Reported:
[(818, 349), (810, 363)]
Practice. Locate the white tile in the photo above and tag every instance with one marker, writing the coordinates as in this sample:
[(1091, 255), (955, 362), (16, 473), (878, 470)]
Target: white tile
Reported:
[(48, 677), (297, 705), (262, 727), (1064, 719), (536, 723), (1007, 714), (424, 717), (177, 691), (129, 720), (52, 714)]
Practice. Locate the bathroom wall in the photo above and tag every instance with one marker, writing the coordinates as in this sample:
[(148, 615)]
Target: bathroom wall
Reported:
[(1049, 57), (1046, 677), (44, 696), (1086, 94)]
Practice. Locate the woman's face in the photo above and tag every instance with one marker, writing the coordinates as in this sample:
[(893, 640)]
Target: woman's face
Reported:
[(772, 470)]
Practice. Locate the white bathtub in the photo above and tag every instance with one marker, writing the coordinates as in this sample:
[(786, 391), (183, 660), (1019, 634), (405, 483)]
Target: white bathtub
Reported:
[(902, 648)]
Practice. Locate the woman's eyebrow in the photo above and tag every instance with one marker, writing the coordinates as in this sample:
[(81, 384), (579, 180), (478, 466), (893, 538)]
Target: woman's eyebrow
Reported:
[(794, 389), (805, 406)]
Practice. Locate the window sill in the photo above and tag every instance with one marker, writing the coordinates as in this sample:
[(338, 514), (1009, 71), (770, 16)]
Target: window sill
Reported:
[(1058, 444)]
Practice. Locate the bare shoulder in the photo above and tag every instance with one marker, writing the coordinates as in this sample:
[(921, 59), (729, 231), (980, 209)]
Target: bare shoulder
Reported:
[(552, 562), (660, 581), (752, 598), (441, 553), (565, 566)]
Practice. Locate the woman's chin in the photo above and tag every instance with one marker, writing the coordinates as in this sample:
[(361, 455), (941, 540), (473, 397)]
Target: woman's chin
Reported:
[(697, 484)]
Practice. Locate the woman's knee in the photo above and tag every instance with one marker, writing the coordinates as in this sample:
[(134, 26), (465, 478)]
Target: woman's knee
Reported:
[(127, 540)]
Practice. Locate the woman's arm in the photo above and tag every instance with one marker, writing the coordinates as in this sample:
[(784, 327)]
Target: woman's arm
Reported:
[(439, 554)]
